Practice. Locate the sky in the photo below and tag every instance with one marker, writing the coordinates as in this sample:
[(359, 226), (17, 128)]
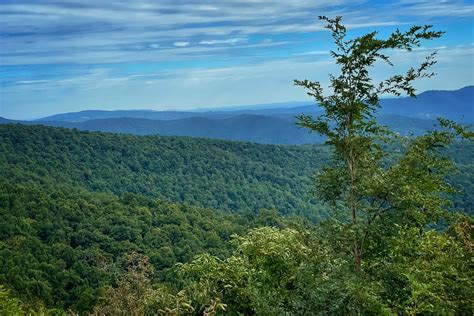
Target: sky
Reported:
[(65, 56)]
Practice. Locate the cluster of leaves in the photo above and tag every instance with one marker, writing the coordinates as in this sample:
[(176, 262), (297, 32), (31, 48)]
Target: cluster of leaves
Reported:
[(9, 305), (269, 273), (361, 184), (296, 272)]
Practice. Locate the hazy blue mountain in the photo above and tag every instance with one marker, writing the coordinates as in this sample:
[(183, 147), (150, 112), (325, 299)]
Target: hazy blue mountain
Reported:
[(246, 127), (6, 121), (277, 129), (221, 112), (264, 125), (457, 105), (88, 115), (265, 106)]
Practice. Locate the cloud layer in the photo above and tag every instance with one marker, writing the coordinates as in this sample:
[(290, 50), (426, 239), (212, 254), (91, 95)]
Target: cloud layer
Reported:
[(90, 31)]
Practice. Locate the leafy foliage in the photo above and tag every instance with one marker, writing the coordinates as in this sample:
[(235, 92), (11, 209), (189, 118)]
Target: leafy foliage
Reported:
[(9, 305), (269, 273), (296, 272)]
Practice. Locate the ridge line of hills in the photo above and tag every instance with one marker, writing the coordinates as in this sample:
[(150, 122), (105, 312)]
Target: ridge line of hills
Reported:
[(264, 125)]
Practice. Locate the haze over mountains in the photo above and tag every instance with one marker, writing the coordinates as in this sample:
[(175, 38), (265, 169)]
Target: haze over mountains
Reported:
[(272, 124)]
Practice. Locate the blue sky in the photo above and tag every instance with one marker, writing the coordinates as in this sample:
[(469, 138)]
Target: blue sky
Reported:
[(62, 56)]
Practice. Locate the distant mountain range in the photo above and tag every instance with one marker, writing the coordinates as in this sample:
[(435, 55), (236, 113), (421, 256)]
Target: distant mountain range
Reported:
[(456, 105), (264, 123), (88, 115)]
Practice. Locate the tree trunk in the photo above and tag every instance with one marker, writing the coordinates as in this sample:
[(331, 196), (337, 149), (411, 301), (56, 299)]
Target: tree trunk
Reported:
[(353, 207)]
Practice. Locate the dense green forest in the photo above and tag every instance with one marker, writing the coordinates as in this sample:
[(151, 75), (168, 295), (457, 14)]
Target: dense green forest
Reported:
[(222, 175), (60, 245), (70, 215), (74, 204)]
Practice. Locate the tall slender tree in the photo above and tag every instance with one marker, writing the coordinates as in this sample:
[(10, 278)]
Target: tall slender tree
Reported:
[(362, 183)]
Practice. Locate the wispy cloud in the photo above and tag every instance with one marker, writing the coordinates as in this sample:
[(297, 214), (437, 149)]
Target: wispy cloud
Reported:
[(231, 41), (68, 29), (264, 82), (312, 53), (79, 52), (181, 44), (437, 8)]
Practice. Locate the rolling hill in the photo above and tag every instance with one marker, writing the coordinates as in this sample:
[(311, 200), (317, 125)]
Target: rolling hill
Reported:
[(223, 175), (74, 205), (457, 104), (265, 125)]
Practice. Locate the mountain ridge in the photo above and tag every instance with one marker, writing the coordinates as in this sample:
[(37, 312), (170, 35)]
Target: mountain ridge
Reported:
[(464, 98), (267, 126)]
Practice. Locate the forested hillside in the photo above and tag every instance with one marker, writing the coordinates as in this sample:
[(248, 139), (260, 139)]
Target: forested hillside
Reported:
[(61, 243), (222, 175)]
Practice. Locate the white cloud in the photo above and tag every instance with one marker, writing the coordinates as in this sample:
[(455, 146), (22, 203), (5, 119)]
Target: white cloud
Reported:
[(314, 52), (31, 81), (181, 44), (231, 41), (436, 8)]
